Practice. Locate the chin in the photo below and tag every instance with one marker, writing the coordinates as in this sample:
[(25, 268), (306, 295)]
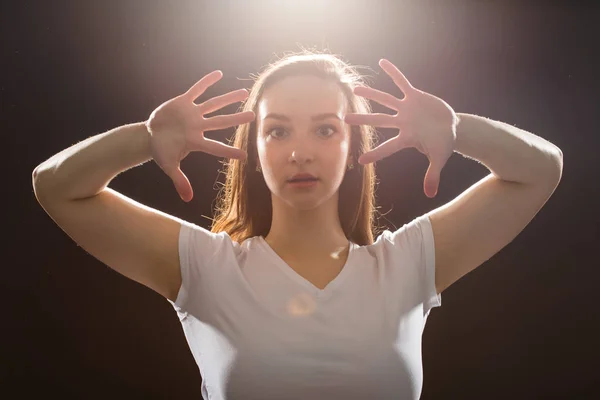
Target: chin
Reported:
[(303, 204), (306, 206), (307, 203), (303, 201)]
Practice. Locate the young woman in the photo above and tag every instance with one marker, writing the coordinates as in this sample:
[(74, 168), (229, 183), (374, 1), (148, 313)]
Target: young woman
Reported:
[(289, 296)]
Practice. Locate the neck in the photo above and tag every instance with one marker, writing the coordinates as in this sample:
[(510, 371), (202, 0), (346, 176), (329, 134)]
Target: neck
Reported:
[(307, 233)]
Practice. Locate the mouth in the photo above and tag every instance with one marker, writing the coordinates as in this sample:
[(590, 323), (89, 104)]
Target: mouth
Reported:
[(303, 182), (302, 176)]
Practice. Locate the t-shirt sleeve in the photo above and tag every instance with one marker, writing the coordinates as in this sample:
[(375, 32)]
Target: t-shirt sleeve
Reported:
[(198, 250), (414, 255)]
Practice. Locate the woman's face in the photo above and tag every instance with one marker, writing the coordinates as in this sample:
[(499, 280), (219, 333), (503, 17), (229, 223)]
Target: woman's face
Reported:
[(300, 129)]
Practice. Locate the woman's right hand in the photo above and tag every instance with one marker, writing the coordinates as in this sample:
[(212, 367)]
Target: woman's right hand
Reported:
[(177, 128)]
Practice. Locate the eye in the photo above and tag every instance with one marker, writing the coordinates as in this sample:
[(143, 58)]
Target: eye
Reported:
[(275, 129), (328, 128), (278, 132)]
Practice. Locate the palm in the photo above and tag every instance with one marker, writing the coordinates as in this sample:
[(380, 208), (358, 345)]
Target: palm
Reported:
[(177, 128), (425, 122)]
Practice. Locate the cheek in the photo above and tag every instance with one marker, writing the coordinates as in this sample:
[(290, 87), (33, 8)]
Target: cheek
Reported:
[(260, 144), (342, 149), (264, 150), (272, 160), (345, 145)]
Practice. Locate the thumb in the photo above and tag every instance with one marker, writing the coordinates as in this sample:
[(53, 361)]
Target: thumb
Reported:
[(182, 184), (432, 180)]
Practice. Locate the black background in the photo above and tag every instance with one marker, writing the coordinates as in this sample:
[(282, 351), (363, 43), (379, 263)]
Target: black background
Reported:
[(524, 325)]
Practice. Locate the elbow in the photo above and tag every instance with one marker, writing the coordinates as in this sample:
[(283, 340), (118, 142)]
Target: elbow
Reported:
[(558, 165), (554, 169), (39, 182), (548, 168), (35, 183), (36, 176)]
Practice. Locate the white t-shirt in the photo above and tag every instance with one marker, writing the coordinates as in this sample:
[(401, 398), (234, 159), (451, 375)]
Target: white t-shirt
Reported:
[(258, 330)]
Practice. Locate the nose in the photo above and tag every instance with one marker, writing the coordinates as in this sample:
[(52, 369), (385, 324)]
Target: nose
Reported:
[(300, 156)]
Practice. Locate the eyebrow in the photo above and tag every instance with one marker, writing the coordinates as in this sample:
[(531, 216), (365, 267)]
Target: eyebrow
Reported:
[(318, 117)]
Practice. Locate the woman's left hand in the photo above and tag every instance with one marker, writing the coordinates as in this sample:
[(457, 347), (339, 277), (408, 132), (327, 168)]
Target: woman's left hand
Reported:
[(426, 123)]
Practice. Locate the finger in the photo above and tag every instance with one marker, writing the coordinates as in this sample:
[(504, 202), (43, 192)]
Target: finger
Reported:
[(432, 180), (226, 121), (200, 87), (380, 97), (375, 119), (182, 184), (219, 102), (384, 150), (220, 149), (397, 76)]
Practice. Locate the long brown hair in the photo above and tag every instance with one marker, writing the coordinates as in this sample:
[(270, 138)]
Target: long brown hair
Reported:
[(244, 208)]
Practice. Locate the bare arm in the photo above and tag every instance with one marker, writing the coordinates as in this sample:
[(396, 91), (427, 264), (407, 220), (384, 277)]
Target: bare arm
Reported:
[(86, 168), (137, 241), (123, 234)]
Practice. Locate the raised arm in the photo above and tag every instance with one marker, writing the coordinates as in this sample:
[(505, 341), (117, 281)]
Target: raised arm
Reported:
[(137, 241)]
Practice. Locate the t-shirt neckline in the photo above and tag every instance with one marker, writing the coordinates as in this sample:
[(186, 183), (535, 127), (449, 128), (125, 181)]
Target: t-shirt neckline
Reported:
[(321, 293)]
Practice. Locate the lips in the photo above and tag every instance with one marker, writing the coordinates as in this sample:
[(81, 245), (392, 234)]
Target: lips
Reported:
[(303, 177)]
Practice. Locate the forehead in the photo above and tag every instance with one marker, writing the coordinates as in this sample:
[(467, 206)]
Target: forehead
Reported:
[(302, 96)]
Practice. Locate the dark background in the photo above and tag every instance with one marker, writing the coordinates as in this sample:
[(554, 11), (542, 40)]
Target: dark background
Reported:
[(522, 326)]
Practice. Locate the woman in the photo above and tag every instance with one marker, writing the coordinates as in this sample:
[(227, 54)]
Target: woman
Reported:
[(290, 296)]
